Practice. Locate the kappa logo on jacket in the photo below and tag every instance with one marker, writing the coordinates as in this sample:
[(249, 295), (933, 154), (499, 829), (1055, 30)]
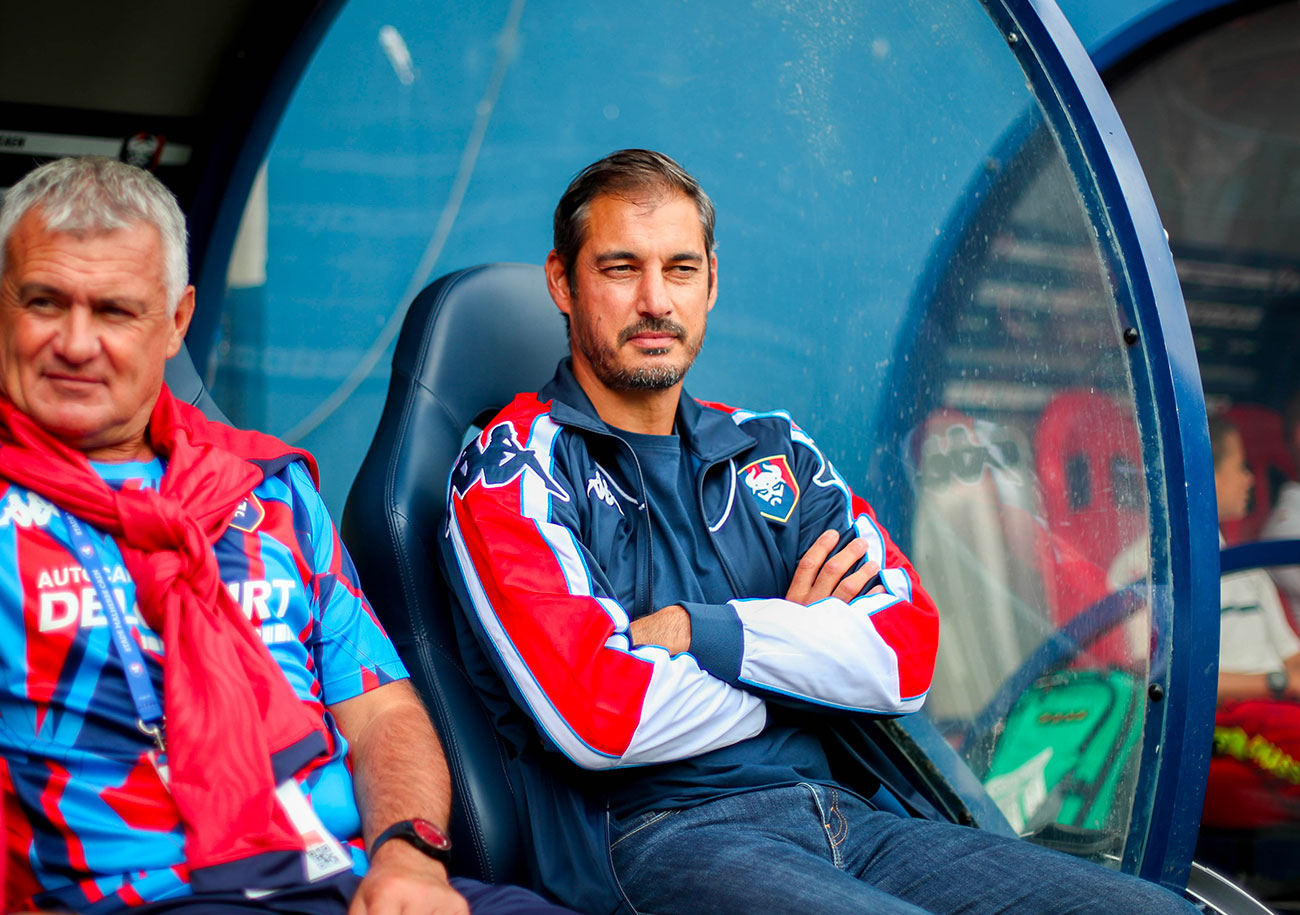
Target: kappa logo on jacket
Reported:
[(602, 488), (501, 461), (25, 512), (773, 486), (599, 490)]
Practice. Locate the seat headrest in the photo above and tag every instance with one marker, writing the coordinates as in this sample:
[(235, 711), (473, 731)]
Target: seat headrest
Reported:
[(187, 385), (477, 337)]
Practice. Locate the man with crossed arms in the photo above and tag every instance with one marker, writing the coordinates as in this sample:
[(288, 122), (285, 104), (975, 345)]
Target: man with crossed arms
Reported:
[(672, 591)]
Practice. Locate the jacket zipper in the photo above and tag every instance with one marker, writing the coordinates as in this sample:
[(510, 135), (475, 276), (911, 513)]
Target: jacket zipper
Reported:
[(645, 546), (713, 538)]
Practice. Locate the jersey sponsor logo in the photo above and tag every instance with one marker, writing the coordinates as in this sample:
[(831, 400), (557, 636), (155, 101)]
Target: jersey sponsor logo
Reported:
[(249, 515), (265, 604), (772, 484), (501, 461), (77, 575), (260, 599), (61, 609), (67, 599), (962, 452), (26, 511), (61, 604)]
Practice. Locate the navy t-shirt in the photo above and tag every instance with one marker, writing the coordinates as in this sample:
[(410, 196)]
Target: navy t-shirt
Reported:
[(687, 568)]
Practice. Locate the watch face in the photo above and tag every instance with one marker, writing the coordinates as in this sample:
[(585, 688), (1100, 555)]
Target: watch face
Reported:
[(431, 834)]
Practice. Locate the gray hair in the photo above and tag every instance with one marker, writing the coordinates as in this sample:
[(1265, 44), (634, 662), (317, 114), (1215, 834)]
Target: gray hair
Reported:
[(89, 194)]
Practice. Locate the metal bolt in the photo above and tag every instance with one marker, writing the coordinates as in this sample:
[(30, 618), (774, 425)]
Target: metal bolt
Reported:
[(1130, 335), (1155, 692)]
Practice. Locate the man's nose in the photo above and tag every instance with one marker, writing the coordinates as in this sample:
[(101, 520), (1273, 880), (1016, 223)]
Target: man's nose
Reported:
[(77, 341), (654, 299)]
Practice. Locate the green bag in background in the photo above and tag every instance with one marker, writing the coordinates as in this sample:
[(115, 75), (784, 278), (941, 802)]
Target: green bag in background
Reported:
[(1064, 750)]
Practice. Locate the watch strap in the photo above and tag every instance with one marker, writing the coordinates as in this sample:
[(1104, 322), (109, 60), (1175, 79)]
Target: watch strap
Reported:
[(407, 830)]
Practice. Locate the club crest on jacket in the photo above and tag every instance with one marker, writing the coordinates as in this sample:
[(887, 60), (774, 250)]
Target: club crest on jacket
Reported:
[(772, 484)]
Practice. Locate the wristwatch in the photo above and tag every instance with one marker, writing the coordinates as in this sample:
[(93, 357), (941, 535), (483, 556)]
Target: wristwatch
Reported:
[(1278, 681), (425, 836)]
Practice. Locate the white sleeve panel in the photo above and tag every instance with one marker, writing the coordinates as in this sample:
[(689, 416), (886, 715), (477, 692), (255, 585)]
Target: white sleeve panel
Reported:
[(688, 712), (786, 651)]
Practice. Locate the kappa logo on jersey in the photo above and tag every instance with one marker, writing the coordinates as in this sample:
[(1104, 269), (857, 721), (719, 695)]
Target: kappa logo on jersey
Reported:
[(501, 461), (772, 484), (249, 515), (25, 512)]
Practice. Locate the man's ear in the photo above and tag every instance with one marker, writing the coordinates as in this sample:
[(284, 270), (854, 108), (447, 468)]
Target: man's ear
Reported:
[(557, 282), (181, 321), (713, 280)]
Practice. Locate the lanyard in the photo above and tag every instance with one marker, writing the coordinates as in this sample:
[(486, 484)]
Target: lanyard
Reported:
[(147, 705)]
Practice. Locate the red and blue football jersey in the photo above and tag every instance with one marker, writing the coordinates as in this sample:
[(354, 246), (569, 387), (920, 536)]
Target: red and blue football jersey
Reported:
[(90, 826)]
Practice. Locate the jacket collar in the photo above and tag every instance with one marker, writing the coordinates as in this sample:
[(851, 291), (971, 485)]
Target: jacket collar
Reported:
[(709, 434)]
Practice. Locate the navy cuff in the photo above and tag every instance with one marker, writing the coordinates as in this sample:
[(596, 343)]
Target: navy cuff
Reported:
[(717, 639), (286, 763)]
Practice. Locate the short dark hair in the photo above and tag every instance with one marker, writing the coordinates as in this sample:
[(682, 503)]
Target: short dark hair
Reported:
[(1220, 428), (623, 173)]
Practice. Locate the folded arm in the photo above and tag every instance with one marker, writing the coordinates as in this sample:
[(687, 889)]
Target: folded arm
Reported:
[(867, 638), (547, 618)]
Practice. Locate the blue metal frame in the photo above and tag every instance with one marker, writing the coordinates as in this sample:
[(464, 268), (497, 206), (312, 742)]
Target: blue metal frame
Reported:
[(1168, 389), (1259, 554)]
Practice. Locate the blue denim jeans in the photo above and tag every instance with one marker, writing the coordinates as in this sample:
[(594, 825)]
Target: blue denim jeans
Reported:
[(817, 849)]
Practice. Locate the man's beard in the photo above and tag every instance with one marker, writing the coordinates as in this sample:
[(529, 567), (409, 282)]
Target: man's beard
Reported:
[(604, 359)]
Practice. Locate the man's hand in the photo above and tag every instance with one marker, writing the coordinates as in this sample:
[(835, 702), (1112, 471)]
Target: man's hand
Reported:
[(818, 577), (404, 881), (398, 772), (668, 626)]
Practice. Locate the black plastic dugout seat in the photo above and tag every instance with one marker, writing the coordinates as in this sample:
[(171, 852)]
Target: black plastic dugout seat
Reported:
[(471, 341), (186, 385)]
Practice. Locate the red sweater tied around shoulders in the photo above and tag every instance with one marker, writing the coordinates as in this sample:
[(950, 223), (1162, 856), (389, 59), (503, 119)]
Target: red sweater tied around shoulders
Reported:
[(234, 727)]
